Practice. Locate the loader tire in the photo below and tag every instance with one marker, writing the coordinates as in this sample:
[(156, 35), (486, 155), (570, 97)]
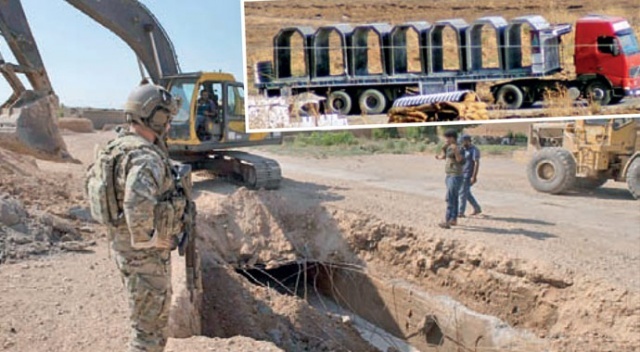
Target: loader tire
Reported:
[(372, 102), (552, 170), (590, 183), (510, 96), (340, 102), (633, 178)]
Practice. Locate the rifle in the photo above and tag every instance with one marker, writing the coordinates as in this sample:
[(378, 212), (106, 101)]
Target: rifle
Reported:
[(187, 244)]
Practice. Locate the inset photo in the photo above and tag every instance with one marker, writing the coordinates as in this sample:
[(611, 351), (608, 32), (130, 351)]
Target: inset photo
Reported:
[(329, 64)]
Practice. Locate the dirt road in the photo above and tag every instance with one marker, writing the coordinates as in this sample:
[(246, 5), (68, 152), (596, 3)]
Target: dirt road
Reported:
[(594, 234)]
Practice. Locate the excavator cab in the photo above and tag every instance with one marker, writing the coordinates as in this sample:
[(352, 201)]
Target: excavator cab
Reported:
[(223, 126), (205, 141)]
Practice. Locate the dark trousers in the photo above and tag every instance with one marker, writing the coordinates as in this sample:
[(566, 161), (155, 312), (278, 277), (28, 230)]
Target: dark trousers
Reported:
[(467, 196), (453, 183)]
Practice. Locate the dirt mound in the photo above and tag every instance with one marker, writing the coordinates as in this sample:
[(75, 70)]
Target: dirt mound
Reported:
[(569, 311), (76, 124), (39, 212), (234, 344), (24, 234), (261, 227)]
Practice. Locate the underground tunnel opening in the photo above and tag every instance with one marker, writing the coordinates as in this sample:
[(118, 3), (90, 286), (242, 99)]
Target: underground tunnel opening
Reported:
[(351, 295), (391, 314)]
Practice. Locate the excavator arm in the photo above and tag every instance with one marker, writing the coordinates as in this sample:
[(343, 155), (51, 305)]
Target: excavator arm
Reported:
[(138, 27), (28, 117), (15, 29)]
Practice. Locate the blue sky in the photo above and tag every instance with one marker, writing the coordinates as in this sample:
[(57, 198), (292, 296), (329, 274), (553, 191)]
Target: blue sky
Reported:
[(90, 66)]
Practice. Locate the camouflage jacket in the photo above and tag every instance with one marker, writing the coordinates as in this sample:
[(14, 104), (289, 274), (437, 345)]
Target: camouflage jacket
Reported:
[(144, 189)]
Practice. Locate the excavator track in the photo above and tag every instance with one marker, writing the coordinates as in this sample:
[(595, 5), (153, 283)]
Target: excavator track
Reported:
[(248, 170), (255, 172)]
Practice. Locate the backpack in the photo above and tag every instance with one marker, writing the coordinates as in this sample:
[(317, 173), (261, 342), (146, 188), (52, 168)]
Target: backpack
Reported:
[(100, 181)]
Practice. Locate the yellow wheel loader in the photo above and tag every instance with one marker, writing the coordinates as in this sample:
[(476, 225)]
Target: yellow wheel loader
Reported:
[(29, 116), (584, 154)]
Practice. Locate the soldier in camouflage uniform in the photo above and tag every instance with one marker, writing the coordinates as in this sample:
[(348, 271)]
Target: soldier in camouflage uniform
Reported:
[(149, 213)]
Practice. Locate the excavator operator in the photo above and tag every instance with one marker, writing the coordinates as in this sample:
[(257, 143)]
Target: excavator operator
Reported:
[(207, 112)]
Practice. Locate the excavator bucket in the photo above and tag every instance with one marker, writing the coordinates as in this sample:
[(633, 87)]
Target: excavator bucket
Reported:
[(29, 125), (28, 117), (460, 105)]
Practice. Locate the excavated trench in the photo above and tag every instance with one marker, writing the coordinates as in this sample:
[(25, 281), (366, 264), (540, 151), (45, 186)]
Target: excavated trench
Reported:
[(307, 277), (391, 315)]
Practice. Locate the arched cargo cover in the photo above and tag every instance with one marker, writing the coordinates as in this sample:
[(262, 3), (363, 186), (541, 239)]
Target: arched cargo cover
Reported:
[(513, 38), (436, 45), (399, 46), (282, 50), (474, 41), (322, 49), (359, 63)]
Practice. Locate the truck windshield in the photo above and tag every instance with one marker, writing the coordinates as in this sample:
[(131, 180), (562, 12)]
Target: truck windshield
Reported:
[(629, 42)]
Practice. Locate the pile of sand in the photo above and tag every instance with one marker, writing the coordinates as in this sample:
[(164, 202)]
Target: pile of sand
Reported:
[(262, 227), (40, 213), (204, 344)]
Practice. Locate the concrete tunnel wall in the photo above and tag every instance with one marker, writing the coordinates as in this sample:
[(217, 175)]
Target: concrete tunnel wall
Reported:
[(475, 45), (360, 65), (322, 49), (282, 50), (392, 41), (437, 45), (513, 58), (399, 55)]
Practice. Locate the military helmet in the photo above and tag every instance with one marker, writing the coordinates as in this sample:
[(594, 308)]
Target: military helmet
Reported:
[(149, 101)]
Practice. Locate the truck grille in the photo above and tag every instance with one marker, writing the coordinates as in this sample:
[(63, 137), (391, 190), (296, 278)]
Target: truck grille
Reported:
[(634, 72)]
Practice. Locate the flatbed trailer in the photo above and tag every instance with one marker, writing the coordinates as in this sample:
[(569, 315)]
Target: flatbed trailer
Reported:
[(355, 89)]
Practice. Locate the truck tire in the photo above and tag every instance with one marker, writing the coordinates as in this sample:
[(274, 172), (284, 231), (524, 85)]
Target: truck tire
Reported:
[(265, 71), (599, 92), (590, 183), (616, 100), (633, 178), (552, 170), (340, 102), (510, 96), (372, 102)]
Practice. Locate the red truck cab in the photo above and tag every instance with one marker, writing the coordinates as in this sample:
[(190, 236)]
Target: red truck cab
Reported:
[(607, 57)]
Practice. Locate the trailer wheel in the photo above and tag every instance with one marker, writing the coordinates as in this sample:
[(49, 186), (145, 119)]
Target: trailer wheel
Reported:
[(599, 92), (510, 96), (372, 102), (340, 102), (633, 178), (552, 170)]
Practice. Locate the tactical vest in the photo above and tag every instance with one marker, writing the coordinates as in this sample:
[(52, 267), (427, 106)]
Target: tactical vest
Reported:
[(101, 188)]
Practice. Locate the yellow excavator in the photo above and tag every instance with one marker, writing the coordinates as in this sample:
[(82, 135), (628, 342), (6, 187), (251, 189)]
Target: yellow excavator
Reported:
[(28, 117), (585, 154)]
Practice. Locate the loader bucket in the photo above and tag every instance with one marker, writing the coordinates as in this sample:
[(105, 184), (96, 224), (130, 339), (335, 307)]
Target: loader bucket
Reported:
[(29, 126), (460, 105)]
